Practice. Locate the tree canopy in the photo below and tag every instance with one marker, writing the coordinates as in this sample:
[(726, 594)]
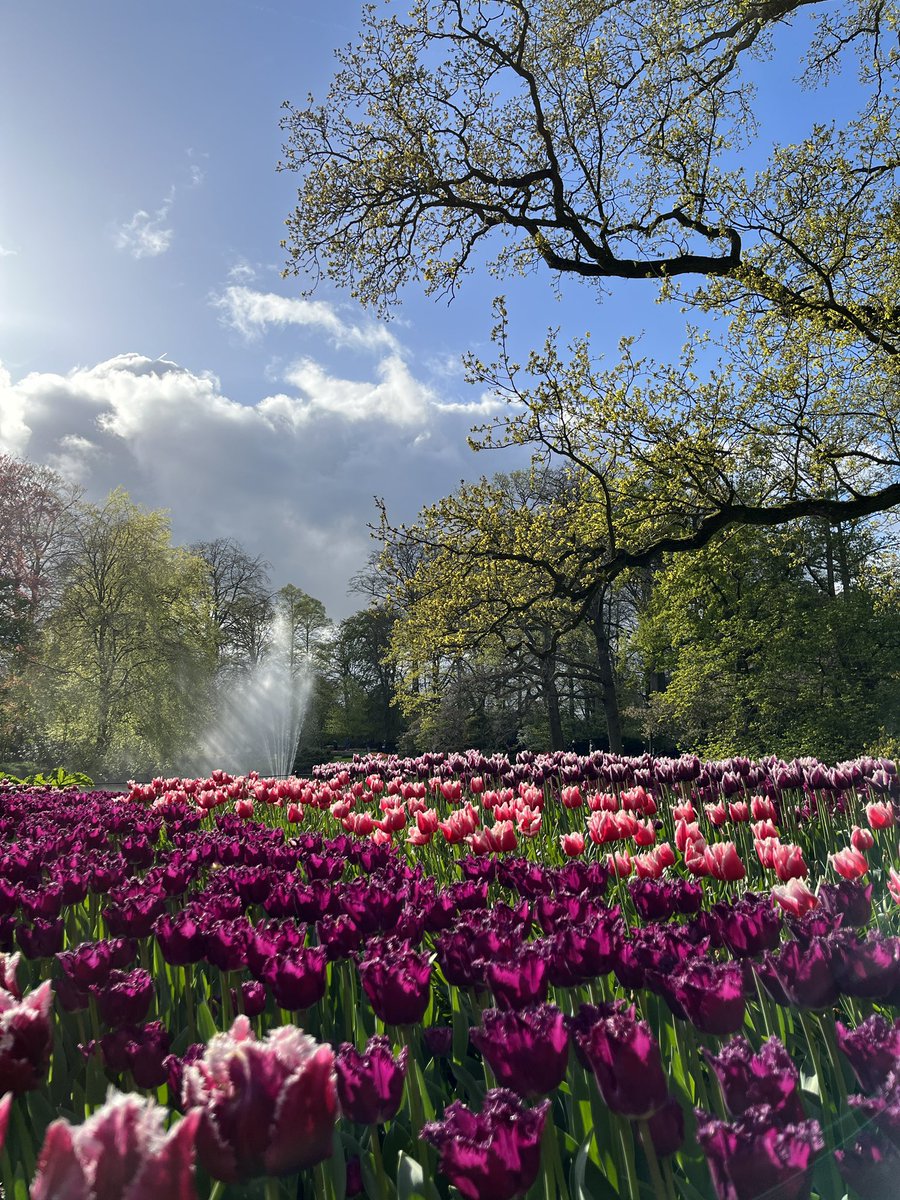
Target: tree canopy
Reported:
[(617, 140)]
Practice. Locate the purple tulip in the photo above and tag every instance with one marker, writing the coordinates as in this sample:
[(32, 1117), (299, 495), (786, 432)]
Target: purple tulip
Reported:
[(712, 995), (180, 937), (298, 981), (528, 1050), (125, 998), (869, 968), (495, 1153), (251, 999), (870, 1166), (872, 1048), (370, 1083), (667, 1128), (438, 1040), (143, 1051), (804, 974), (756, 1155), (768, 1077), (268, 1107), (883, 1109), (42, 938), (520, 981), (849, 899), (397, 983), (122, 1152), (625, 1059), (750, 925)]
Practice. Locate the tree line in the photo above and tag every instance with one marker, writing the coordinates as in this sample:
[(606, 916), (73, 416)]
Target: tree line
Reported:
[(702, 552), (116, 645)]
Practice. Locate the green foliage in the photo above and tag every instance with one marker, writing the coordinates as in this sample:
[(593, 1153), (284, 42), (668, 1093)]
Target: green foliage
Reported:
[(765, 652), (59, 779), (126, 658)]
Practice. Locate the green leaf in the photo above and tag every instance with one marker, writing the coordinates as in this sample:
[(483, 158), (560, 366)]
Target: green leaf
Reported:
[(411, 1181), (206, 1026)]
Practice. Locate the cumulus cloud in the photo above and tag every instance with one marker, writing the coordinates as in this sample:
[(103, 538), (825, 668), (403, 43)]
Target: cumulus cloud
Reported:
[(291, 476), (251, 312), (147, 235)]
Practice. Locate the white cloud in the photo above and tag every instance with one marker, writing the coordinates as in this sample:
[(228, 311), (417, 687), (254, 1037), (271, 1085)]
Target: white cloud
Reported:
[(291, 476), (251, 312), (147, 235), (4, 253), (397, 397)]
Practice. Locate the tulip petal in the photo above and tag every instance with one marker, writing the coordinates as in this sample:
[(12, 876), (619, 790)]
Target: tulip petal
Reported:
[(59, 1174), (170, 1172), (304, 1118)]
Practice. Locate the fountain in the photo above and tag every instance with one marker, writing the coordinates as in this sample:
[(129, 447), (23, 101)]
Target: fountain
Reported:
[(259, 714)]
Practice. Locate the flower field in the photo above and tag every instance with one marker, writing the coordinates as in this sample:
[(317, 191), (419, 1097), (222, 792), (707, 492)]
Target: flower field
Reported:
[(456, 976)]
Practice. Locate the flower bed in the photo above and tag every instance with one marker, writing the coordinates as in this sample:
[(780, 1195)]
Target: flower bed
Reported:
[(456, 975)]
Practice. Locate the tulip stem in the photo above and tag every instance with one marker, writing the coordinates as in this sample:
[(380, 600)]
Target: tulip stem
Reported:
[(271, 1189), (378, 1163), (827, 1024), (627, 1143), (659, 1189)]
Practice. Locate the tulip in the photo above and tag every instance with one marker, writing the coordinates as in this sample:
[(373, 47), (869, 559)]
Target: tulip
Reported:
[(872, 1049), (861, 839), (121, 1152), (757, 1156), (768, 1077), (298, 979), (880, 814), (868, 969), (528, 1050), (26, 1039), (667, 1128), (894, 885), (370, 1084), (795, 898), (712, 995), (267, 1107), (521, 980), (572, 844), (398, 984), (125, 998), (870, 1166), (849, 863), (723, 862), (495, 1153), (750, 926), (787, 862), (802, 976), (849, 901), (626, 1061)]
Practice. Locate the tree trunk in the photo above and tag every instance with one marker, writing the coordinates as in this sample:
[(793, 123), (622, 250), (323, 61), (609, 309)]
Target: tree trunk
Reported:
[(609, 697), (551, 696)]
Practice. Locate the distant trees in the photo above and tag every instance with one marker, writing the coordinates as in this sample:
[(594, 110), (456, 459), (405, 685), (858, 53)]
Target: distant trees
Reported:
[(126, 656)]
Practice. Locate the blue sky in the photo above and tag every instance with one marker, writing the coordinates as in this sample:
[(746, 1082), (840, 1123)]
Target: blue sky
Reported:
[(146, 337)]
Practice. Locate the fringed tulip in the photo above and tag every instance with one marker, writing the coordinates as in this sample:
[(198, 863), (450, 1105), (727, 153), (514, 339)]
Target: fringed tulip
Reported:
[(370, 1083), (756, 1155), (528, 1050), (767, 1077), (627, 1064), (266, 1107), (26, 1038), (121, 1152), (495, 1153)]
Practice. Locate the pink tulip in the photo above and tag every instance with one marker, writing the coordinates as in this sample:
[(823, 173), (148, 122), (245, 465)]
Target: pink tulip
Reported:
[(26, 1038), (723, 862), (571, 797), (268, 1107), (762, 808), (849, 863), (787, 862), (122, 1152), (894, 884), (861, 839), (795, 897), (880, 815), (572, 844)]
